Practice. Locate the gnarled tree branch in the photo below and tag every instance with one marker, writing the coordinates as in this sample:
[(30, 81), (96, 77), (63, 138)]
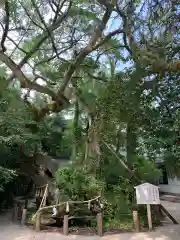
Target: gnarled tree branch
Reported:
[(25, 82), (88, 49), (43, 38), (5, 32)]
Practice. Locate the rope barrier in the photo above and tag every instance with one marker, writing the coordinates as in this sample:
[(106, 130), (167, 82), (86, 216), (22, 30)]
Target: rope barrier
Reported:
[(65, 204)]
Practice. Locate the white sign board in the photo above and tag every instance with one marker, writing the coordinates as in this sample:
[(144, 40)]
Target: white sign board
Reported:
[(147, 194)]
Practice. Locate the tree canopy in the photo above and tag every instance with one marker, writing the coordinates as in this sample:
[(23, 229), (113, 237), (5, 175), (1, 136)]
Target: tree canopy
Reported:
[(94, 80)]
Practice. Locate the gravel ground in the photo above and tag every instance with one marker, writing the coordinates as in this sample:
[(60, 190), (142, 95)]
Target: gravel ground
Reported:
[(9, 231)]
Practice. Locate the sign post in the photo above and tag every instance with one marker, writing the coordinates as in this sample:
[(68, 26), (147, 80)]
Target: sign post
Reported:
[(148, 194), (149, 216)]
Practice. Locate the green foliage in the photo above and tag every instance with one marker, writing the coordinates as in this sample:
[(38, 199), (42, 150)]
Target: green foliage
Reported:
[(76, 184), (14, 122), (6, 175), (19, 130), (114, 185), (53, 134), (146, 170)]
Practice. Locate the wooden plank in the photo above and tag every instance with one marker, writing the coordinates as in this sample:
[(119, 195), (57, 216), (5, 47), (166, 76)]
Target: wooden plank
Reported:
[(168, 214), (19, 211), (26, 204), (149, 216), (81, 217), (24, 217), (15, 213), (65, 225), (99, 224), (136, 221)]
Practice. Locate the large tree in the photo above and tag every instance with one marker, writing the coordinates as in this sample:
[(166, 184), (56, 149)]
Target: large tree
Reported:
[(55, 39), (112, 69), (67, 53)]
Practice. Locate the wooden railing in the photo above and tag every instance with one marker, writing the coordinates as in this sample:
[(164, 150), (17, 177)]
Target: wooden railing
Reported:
[(66, 217), (40, 190)]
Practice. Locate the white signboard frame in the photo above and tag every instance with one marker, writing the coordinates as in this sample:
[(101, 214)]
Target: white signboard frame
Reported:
[(147, 194)]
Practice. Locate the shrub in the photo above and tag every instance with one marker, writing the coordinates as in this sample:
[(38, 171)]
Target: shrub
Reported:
[(146, 170), (6, 175), (76, 184)]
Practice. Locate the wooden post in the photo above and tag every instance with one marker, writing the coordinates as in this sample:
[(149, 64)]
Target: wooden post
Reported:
[(26, 204), (149, 216), (99, 224), (15, 212), (24, 217), (65, 225), (19, 211), (38, 222), (136, 221)]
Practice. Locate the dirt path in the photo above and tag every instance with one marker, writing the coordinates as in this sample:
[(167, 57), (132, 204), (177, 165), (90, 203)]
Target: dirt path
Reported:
[(9, 231)]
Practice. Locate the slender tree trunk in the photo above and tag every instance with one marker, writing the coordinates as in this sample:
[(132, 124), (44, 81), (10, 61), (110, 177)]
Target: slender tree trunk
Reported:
[(131, 143), (118, 143), (75, 131), (86, 152)]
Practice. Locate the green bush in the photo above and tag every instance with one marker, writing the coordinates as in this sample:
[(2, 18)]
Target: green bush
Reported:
[(146, 170), (76, 184), (118, 196), (6, 175)]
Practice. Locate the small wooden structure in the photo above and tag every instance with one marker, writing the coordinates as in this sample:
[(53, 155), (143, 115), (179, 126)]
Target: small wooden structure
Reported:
[(19, 211), (42, 194), (148, 194), (65, 214)]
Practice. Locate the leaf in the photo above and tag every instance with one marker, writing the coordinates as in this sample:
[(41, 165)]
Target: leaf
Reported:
[(84, 13)]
